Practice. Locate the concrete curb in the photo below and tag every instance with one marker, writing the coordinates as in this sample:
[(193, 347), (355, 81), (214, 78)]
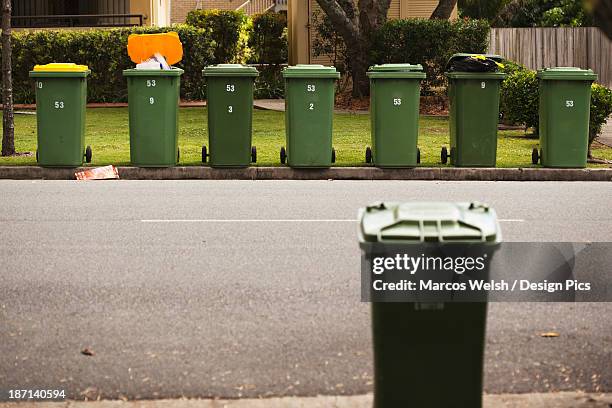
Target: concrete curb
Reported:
[(334, 173), (549, 400)]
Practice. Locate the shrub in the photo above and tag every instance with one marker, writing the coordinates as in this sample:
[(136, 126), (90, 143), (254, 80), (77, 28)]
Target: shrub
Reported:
[(430, 43), (228, 29), (519, 98), (268, 39), (270, 83), (601, 109), (519, 102), (105, 52)]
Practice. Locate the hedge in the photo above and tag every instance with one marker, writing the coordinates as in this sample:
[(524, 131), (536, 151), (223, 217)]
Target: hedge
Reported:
[(105, 52), (519, 96), (519, 102), (229, 29), (430, 43), (268, 39)]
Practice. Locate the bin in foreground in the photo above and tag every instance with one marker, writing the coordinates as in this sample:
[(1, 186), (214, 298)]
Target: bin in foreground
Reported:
[(473, 90), (564, 113), (309, 98), (153, 97), (428, 354), (230, 115), (394, 114), (61, 99)]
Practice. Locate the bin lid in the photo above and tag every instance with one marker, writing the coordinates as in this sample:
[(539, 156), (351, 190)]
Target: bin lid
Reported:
[(396, 71), (460, 56), (310, 71), (60, 69), (141, 47), (230, 70), (174, 72), (567, 74), (418, 222), (396, 67)]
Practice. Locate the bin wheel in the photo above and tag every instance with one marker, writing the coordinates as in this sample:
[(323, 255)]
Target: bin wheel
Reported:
[(535, 156), (253, 154), (88, 154), (368, 154), (418, 155), (178, 154), (283, 155), (204, 154), (444, 155), (333, 155)]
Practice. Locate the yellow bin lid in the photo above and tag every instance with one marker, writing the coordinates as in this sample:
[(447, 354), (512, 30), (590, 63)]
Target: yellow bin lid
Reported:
[(61, 67)]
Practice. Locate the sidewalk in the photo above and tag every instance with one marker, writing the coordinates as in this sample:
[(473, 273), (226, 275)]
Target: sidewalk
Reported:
[(551, 400), (606, 134)]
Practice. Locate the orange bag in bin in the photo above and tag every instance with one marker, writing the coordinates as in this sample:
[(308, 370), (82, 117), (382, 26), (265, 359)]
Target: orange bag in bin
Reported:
[(141, 47)]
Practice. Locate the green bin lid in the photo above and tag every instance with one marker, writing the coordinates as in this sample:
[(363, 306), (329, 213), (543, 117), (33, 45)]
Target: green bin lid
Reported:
[(419, 222), (396, 67), (310, 71), (396, 71), (153, 72), (567, 74), (230, 70)]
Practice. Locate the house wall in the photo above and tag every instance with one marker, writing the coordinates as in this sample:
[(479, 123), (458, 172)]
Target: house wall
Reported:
[(180, 8)]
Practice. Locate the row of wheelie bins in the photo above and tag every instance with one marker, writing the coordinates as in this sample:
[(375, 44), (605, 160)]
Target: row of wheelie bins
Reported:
[(395, 90)]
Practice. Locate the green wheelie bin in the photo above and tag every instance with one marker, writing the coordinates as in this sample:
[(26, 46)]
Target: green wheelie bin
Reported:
[(394, 114), (153, 97), (309, 98), (230, 115), (564, 114), (61, 98), (428, 348), (474, 110)]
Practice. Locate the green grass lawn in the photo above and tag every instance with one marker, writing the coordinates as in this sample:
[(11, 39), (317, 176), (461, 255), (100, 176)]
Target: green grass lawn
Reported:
[(107, 133)]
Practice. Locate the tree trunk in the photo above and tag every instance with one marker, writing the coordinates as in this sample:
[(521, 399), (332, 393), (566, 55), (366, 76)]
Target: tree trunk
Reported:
[(357, 34), (8, 125), (444, 10)]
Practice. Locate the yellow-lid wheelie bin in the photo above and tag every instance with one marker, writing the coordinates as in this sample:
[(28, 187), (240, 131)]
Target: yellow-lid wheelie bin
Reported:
[(61, 99)]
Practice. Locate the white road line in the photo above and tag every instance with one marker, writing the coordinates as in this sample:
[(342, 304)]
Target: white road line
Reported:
[(252, 220), (272, 220)]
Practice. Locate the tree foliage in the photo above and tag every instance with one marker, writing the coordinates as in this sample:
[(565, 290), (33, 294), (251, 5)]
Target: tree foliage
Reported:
[(543, 13)]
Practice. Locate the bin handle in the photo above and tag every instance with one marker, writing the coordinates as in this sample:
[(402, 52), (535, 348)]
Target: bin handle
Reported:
[(421, 224)]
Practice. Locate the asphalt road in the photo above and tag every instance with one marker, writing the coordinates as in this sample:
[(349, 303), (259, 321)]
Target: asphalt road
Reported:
[(211, 306)]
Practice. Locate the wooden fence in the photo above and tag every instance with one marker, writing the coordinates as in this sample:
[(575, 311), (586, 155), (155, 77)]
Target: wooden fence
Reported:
[(584, 47)]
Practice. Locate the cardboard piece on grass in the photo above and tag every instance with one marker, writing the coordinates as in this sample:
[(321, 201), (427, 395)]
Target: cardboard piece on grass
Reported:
[(99, 173)]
